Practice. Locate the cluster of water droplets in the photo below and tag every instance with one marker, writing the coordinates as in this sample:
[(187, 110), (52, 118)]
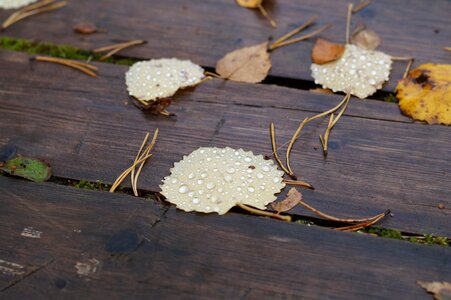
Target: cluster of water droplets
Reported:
[(359, 71), (216, 179), (161, 78)]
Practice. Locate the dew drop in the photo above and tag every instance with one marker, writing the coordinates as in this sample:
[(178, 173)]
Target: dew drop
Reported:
[(265, 168), (200, 181), (250, 189), (247, 159), (183, 189), (260, 176), (276, 179), (195, 200), (228, 178), (191, 176), (230, 170), (203, 175), (210, 185), (191, 194)]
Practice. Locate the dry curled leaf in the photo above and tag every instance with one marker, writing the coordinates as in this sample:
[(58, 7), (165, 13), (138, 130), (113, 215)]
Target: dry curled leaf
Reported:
[(324, 51), (248, 64), (440, 290), (293, 198), (425, 94), (249, 3), (85, 28), (366, 39)]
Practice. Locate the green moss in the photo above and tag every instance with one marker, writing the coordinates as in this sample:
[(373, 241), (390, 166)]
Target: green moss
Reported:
[(383, 232), (60, 51), (87, 185), (391, 98), (430, 239)]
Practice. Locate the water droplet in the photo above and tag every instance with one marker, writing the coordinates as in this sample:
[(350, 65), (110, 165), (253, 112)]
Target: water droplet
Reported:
[(250, 189), (207, 207), (249, 171), (237, 163), (230, 170), (200, 192), (276, 179), (200, 181), (238, 189), (265, 168), (203, 175), (220, 190), (191, 176), (260, 176), (183, 189), (228, 178), (191, 194), (195, 200), (262, 187), (247, 159), (210, 185)]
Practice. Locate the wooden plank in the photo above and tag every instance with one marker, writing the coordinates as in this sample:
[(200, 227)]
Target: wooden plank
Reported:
[(87, 130), (99, 245), (205, 32)]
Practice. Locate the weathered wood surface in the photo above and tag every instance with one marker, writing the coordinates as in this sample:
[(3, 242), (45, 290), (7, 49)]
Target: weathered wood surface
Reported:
[(87, 129), (60, 242), (204, 32)]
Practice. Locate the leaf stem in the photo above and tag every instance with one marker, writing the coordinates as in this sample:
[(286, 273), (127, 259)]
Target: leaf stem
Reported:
[(348, 21), (267, 16), (299, 183)]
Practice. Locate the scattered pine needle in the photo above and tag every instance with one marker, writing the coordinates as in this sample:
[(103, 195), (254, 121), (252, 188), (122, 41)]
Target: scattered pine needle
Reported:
[(274, 149), (301, 38), (334, 219), (362, 225), (140, 159), (361, 5), (295, 31), (113, 49), (31, 10), (264, 213), (83, 67)]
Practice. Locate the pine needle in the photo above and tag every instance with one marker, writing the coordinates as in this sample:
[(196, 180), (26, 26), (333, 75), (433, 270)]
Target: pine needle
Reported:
[(348, 22), (267, 16), (113, 49), (32, 10), (301, 38), (362, 4), (295, 31), (264, 213), (274, 149), (83, 67), (299, 183)]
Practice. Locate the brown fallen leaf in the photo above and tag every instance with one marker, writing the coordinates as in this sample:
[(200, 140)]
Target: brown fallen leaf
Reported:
[(249, 64), (366, 39), (324, 51), (440, 290), (293, 198), (425, 94)]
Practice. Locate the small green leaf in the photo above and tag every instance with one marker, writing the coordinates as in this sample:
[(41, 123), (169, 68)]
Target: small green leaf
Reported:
[(26, 167)]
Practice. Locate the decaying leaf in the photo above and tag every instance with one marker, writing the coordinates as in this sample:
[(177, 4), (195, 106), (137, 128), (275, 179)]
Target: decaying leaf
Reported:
[(85, 28), (216, 179), (293, 198), (440, 290), (366, 39), (12, 4), (248, 64), (26, 167), (358, 72), (249, 3), (149, 81), (324, 51), (425, 94)]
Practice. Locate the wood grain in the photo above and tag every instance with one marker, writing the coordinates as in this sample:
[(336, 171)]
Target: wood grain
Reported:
[(87, 129), (204, 32), (97, 245)]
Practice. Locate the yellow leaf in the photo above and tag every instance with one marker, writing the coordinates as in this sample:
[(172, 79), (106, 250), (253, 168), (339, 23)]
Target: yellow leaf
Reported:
[(440, 290), (425, 94), (249, 3), (249, 64), (293, 198)]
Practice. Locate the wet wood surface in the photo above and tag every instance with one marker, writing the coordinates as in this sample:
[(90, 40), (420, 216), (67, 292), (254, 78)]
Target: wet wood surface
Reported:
[(204, 32), (60, 242)]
